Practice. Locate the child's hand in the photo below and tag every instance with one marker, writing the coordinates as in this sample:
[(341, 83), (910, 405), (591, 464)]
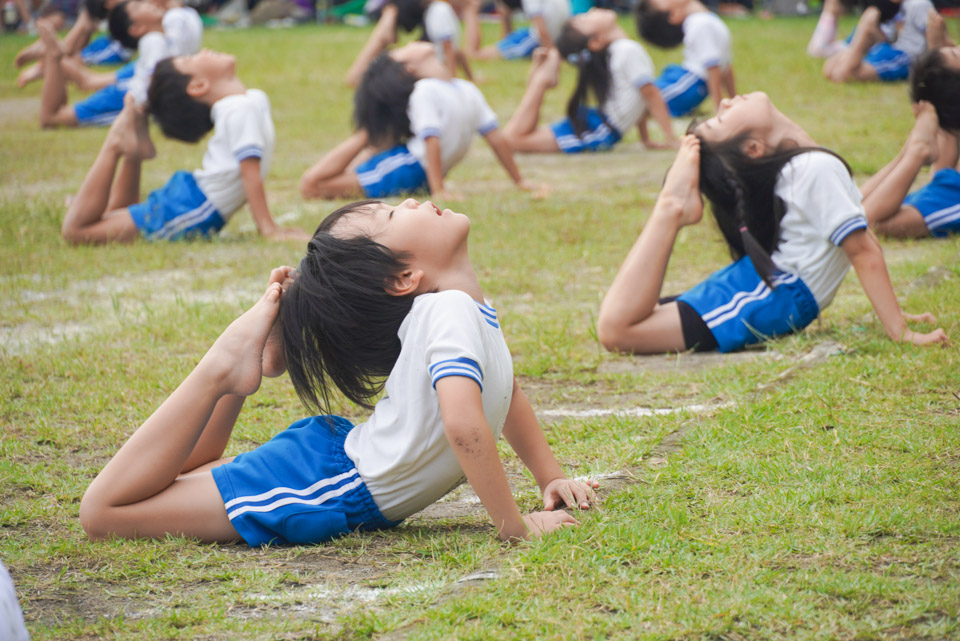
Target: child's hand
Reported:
[(537, 190), (936, 337), (540, 523), (925, 317), (560, 492)]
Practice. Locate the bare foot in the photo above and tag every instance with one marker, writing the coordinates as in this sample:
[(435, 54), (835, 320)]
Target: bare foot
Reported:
[(30, 74), (123, 136), (145, 148), (545, 67), (680, 194), (234, 361), (51, 46), (923, 137), (29, 54), (273, 362), (937, 35)]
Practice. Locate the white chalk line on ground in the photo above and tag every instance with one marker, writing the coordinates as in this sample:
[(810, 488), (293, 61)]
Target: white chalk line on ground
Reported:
[(631, 412)]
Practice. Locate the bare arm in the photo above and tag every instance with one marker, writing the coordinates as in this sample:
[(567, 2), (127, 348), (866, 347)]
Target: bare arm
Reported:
[(714, 84), (865, 255), (434, 166), (540, 25), (257, 198), (504, 153), (383, 35), (658, 109)]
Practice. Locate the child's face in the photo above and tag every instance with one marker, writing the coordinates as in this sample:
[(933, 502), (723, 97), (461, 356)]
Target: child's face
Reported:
[(417, 58), (752, 112), (667, 5), (595, 22), (144, 16), (208, 65)]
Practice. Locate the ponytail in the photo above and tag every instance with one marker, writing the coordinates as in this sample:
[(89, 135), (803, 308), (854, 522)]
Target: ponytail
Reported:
[(593, 73)]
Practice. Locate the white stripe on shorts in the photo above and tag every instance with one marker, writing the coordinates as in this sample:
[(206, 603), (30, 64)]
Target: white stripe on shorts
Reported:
[(729, 310), (301, 497)]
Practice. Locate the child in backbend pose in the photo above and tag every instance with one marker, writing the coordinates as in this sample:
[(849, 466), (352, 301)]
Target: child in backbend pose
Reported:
[(414, 122), (385, 299), (614, 68), (933, 210), (547, 18), (707, 68), (883, 45), (441, 26), (791, 214), (188, 96), (156, 29)]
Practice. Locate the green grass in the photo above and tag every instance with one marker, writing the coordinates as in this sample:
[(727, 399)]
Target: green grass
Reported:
[(823, 506)]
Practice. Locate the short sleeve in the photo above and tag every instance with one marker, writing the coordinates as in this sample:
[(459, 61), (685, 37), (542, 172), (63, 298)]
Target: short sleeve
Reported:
[(631, 62), (440, 22), (152, 48), (486, 118), (450, 326), (244, 135), (533, 7), (818, 186), (701, 40), (426, 120)]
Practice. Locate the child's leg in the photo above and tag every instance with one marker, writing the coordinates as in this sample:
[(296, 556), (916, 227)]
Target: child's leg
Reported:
[(30, 74), (631, 318), (86, 79), (729, 82), (54, 110), (848, 64), (140, 492), (823, 40), (332, 176), (524, 132), (949, 151), (98, 213), (884, 193)]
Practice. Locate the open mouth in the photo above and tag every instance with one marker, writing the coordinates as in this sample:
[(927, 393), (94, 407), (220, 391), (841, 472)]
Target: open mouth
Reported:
[(439, 213)]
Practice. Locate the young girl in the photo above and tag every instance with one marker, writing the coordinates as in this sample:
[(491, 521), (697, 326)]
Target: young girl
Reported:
[(383, 292), (547, 18), (791, 214), (614, 68), (441, 26), (415, 121)]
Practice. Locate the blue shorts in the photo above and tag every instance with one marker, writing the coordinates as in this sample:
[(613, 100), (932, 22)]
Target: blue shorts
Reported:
[(177, 210), (890, 63), (102, 107), (104, 50), (740, 309), (939, 202), (519, 44), (682, 90), (598, 136), (391, 173), (299, 487)]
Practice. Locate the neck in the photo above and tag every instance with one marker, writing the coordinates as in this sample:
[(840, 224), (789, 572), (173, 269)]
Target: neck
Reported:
[(224, 88), (459, 275), (695, 6), (788, 131)]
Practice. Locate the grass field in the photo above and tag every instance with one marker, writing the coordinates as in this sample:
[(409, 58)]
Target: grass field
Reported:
[(806, 490)]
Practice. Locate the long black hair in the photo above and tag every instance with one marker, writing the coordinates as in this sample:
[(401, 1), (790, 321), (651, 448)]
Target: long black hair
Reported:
[(655, 27), (338, 323), (740, 189), (380, 103), (410, 13), (932, 80), (179, 115), (593, 68)]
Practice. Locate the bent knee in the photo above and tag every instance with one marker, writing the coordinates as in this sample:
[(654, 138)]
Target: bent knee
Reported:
[(72, 235), (610, 335), (95, 519)]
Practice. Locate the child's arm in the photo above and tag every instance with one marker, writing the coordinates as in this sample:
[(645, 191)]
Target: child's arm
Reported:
[(504, 153), (461, 58), (468, 432), (714, 85), (538, 23), (657, 108), (729, 82), (435, 168), (523, 433), (382, 36), (865, 255), (506, 18), (257, 198)]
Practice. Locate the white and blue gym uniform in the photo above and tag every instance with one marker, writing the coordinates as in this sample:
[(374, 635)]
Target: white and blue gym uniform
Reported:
[(12, 627), (104, 50), (521, 42), (907, 38), (939, 202), (182, 35), (452, 111), (322, 478), (441, 25), (823, 207), (631, 69), (201, 203), (706, 44)]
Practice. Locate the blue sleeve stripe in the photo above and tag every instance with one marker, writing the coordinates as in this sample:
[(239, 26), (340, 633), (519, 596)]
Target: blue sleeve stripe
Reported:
[(846, 228), (711, 63), (250, 151), (429, 132), (491, 323), (459, 362), (487, 128), (463, 374), (642, 82)]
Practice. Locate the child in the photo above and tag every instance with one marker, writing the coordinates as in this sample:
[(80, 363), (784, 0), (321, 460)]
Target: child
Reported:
[(614, 68), (188, 96), (414, 122), (373, 274), (547, 18), (882, 49), (157, 31), (707, 68), (933, 210), (791, 214), (441, 26)]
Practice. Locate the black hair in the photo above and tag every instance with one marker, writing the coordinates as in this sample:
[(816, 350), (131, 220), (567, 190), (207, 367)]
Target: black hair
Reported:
[(932, 80), (179, 115), (409, 13), (593, 68), (380, 102), (740, 189), (119, 23), (655, 27), (513, 4), (338, 323), (96, 8), (888, 8)]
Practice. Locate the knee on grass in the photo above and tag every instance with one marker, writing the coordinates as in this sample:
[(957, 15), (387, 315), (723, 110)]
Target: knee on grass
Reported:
[(95, 519)]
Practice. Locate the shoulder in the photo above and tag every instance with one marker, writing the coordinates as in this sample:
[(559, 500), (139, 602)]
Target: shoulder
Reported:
[(703, 21), (450, 300), (152, 43), (238, 106), (815, 165), (466, 87), (179, 16)]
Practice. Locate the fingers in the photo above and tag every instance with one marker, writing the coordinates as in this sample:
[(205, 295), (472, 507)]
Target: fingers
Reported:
[(926, 317)]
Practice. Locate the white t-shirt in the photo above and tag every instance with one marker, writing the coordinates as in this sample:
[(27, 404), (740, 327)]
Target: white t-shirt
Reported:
[(441, 24), (823, 206), (242, 128), (182, 36), (912, 20), (452, 110), (555, 14), (630, 69), (11, 616), (706, 43), (401, 451)]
